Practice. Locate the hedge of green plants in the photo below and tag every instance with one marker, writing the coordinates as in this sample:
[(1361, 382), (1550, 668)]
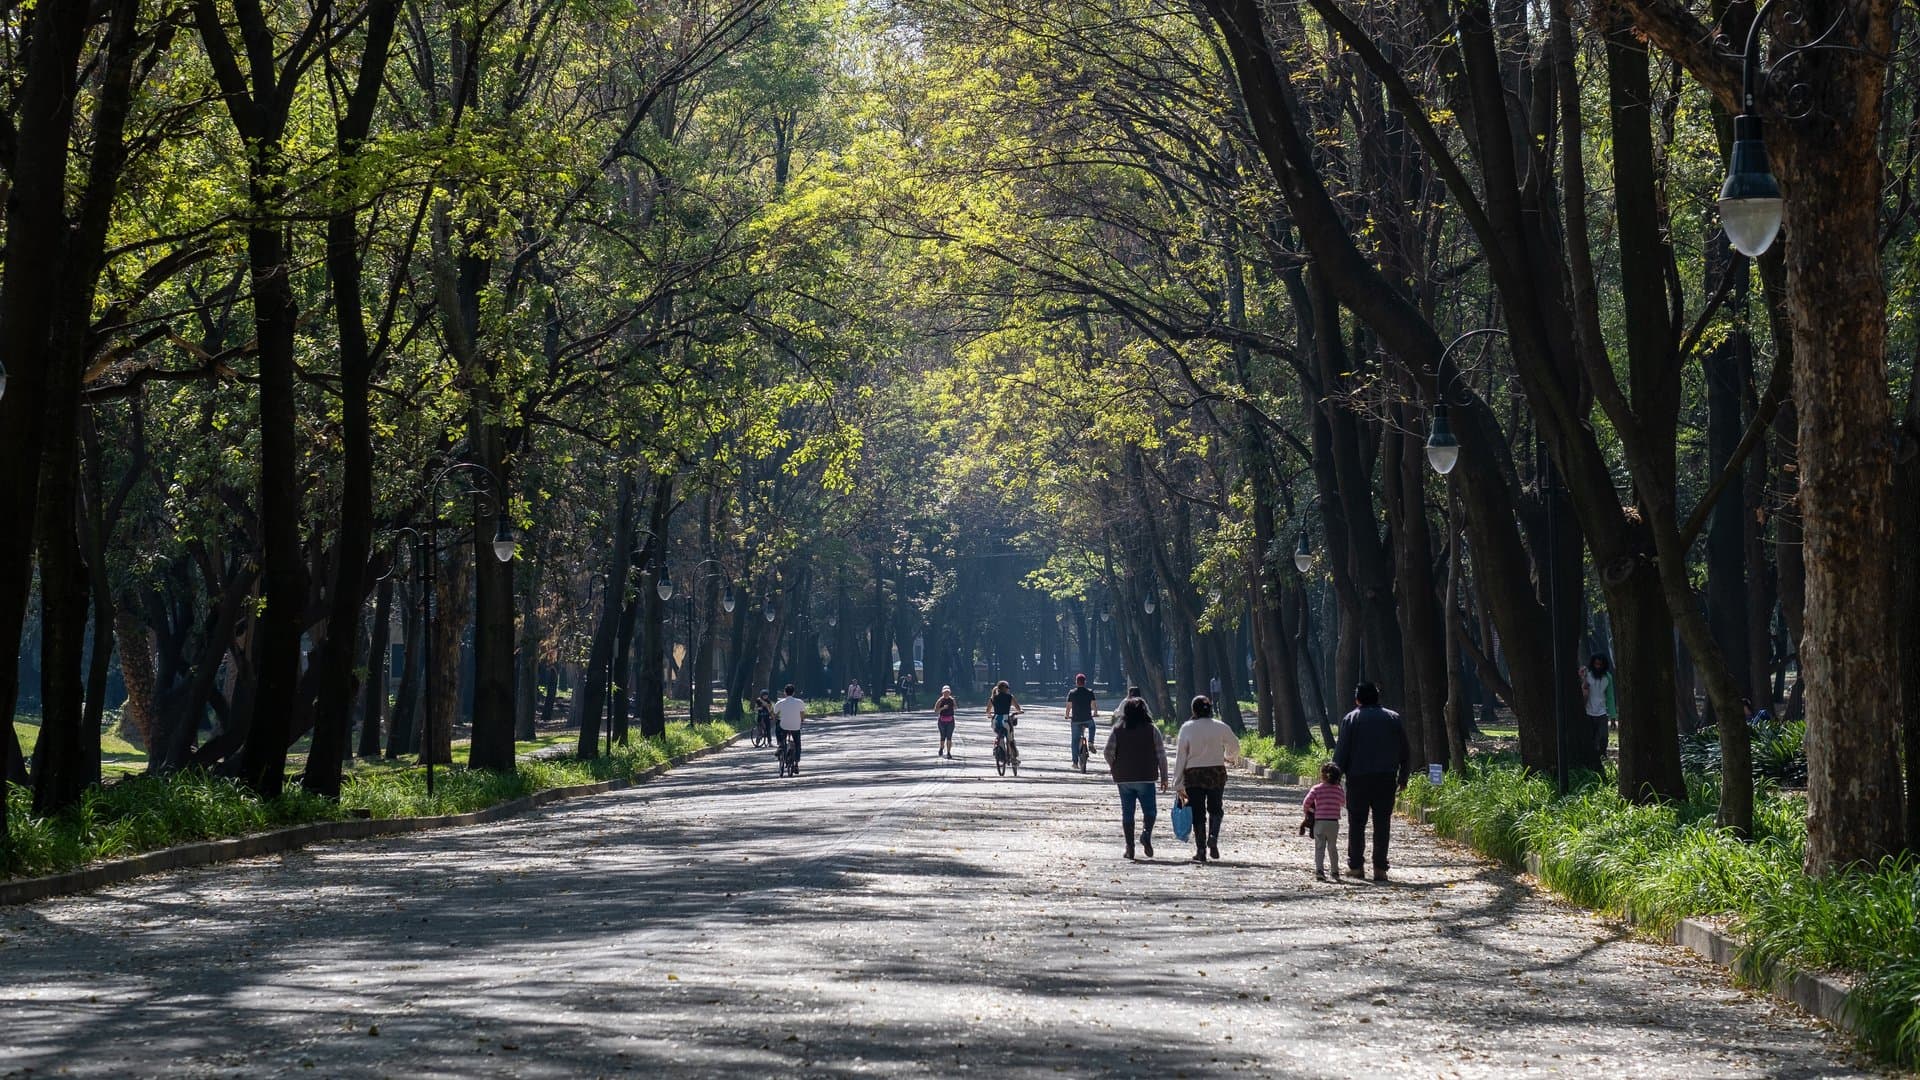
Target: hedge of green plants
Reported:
[(1303, 763), (146, 813), (1663, 863)]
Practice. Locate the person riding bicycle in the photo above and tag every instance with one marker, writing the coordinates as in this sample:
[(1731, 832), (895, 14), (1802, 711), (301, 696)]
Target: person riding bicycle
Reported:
[(1080, 713), (763, 715), (790, 711), (1003, 707)]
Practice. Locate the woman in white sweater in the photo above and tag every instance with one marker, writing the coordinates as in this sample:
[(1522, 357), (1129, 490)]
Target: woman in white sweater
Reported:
[(1205, 749)]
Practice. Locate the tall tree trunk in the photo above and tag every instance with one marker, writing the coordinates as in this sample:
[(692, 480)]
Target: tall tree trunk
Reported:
[(374, 694), (406, 700), (590, 698)]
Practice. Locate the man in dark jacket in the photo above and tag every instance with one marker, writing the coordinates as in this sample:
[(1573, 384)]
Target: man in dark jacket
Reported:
[(1374, 754)]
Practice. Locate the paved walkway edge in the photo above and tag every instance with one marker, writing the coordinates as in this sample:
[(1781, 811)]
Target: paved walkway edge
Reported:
[(1822, 996), (209, 852)]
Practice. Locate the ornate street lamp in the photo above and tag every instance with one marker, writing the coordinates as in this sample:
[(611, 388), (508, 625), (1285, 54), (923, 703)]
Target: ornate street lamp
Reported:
[(1750, 203), (727, 601), (1303, 553), (664, 586)]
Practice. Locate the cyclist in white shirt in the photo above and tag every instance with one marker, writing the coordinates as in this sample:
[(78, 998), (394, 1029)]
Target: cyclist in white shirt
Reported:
[(788, 713)]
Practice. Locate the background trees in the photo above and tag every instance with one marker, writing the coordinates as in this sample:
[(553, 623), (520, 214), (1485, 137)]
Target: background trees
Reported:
[(801, 341)]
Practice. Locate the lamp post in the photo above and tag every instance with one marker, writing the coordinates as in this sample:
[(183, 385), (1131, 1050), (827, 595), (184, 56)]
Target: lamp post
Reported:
[(1750, 203), (1303, 553), (483, 485)]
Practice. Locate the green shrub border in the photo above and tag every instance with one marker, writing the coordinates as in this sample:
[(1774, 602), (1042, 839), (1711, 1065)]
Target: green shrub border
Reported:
[(1660, 865)]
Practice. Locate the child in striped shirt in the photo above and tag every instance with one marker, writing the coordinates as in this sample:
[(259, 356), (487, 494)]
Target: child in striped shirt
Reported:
[(1323, 805)]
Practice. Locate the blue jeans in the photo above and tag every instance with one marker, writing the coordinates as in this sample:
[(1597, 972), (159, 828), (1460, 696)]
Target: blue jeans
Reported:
[(1132, 791), (1073, 735)]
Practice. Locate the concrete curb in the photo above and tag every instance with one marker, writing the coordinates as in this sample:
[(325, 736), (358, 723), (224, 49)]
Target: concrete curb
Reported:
[(209, 852), (1822, 996)]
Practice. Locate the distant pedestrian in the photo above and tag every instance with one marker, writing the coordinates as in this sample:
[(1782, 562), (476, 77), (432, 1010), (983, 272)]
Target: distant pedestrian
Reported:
[(1596, 688), (1756, 718), (854, 694), (1374, 756), (1213, 689), (944, 710), (1323, 805), (1204, 750)]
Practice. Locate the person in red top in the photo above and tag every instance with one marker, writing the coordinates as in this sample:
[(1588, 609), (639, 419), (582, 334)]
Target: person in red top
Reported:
[(943, 711), (1323, 805)]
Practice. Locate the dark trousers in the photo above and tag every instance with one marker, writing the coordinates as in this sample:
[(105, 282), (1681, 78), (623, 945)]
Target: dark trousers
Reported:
[(1209, 806), (1369, 795), (794, 737)]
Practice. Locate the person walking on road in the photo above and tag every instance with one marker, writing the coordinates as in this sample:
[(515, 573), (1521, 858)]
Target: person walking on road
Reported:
[(790, 712), (943, 710), (854, 694), (1596, 689), (1323, 805), (1374, 756), (1080, 713), (1204, 750), (1137, 756)]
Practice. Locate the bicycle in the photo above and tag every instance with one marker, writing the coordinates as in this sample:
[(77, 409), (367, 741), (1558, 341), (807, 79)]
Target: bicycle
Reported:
[(1083, 749), (762, 731), (789, 756), (1006, 753)]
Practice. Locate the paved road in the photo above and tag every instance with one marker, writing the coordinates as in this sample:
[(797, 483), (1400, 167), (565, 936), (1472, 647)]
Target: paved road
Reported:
[(886, 913)]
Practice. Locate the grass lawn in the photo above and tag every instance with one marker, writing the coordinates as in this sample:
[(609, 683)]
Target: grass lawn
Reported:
[(118, 757)]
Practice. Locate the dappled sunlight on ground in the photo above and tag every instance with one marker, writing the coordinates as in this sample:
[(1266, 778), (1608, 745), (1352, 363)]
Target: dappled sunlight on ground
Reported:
[(886, 913)]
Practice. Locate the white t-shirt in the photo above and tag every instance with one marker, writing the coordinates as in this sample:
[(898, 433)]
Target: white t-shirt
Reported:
[(1596, 686), (789, 710)]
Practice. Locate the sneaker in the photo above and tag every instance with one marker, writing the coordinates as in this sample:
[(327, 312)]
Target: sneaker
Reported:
[(1129, 852), (1213, 849), (1379, 873), (1200, 855), (1319, 875), (1146, 846), (1356, 873)]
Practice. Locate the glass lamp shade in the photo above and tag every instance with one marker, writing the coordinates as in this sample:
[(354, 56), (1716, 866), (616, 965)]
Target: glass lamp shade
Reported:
[(1750, 203), (727, 601), (1443, 450), (1303, 554), (504, 545), (1149, 604), (770, 613), (833, 620), (664, 586), (1106, 616)]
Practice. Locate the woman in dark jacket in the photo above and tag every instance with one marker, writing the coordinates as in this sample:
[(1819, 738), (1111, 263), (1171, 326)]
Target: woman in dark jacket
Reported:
[(1136, 754)]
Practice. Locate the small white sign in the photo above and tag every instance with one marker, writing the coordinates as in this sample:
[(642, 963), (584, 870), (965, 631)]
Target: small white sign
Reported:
[(1434, 773)]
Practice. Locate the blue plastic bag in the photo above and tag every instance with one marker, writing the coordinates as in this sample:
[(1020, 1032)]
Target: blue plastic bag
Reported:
[(1182, 821)]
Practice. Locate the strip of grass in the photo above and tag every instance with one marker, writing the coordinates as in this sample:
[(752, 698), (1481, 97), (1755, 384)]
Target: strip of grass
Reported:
[(1280, 758), (145, 813), (1664, 863)]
